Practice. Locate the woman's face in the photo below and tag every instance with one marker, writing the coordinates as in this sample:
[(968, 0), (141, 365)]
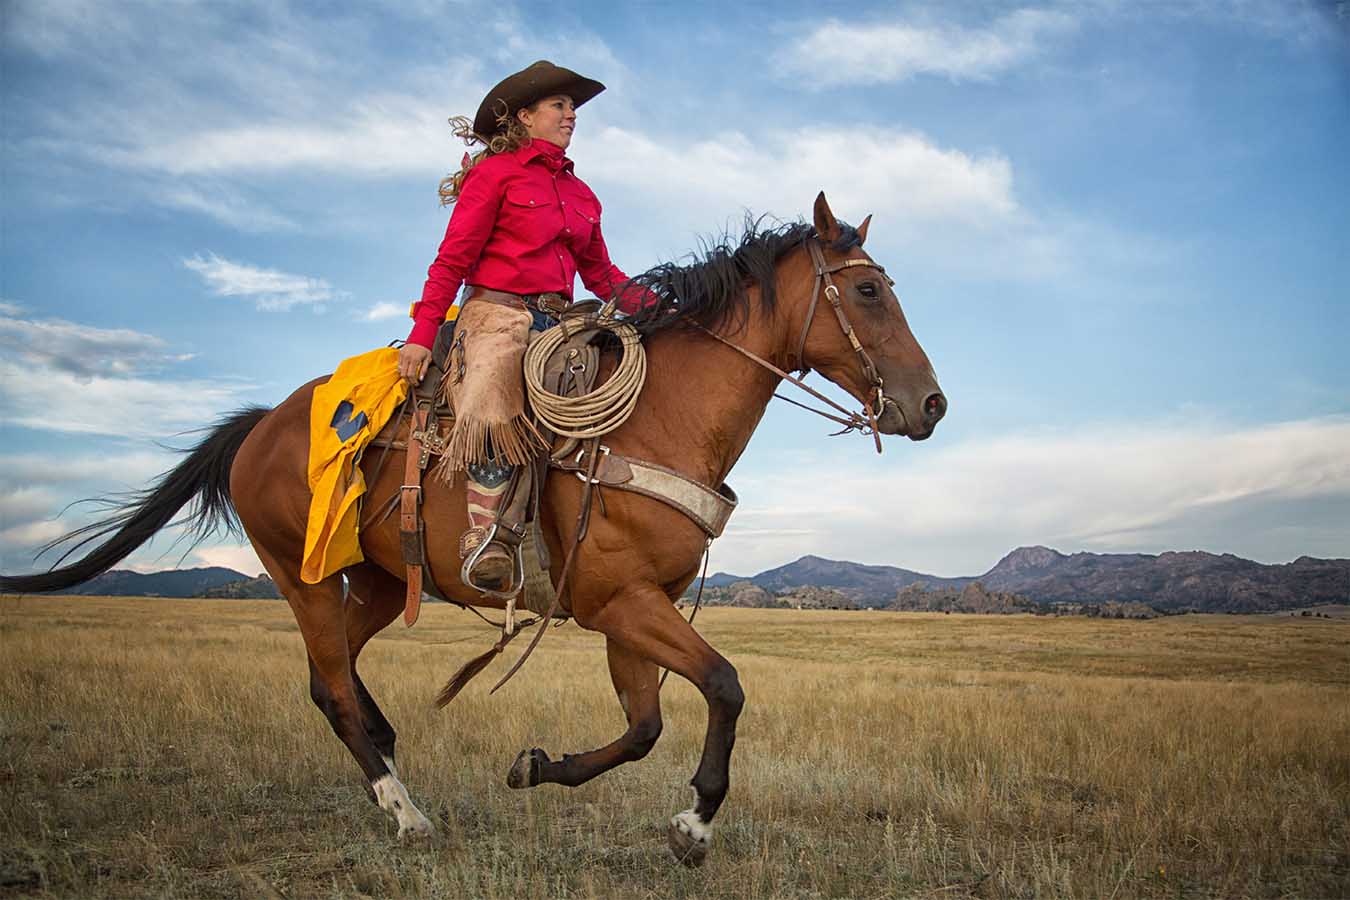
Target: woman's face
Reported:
[(551, 119)]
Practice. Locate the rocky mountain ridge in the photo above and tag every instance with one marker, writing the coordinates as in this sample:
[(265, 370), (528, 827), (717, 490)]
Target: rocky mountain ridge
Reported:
[(1175, 581)]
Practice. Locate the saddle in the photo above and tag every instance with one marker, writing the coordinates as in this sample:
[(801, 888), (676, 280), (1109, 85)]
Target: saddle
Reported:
[(571, 370)]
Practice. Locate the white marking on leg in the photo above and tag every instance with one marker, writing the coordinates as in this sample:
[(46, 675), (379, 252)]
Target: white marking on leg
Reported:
[(393, 798), (690, 823), (689, 837)]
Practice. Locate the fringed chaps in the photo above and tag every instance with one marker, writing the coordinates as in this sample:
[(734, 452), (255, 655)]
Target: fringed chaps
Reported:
[(485, 386)]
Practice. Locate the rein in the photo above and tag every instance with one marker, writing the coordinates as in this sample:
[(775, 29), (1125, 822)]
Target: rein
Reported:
[(864, 422)]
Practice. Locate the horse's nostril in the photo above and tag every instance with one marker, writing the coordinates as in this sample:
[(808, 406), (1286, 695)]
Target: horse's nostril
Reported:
[(934, 407)]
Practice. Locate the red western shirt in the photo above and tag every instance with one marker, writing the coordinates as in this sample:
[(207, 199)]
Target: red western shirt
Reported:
[(523, 223)]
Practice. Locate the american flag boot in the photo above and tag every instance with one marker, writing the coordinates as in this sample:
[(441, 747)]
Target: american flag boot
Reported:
[(485, 489)]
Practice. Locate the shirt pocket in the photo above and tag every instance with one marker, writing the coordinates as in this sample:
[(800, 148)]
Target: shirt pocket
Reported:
[(583, 220), (530, 215)]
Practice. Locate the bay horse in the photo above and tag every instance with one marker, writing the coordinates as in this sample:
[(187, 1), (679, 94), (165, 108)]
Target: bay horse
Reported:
[(703, 398)]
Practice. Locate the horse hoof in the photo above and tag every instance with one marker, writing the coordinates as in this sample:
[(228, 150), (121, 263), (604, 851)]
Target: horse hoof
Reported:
[(525, 770), (689, 838), (415, 830)]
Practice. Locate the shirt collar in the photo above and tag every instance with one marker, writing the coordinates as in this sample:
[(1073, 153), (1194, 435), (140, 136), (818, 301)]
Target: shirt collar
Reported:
[(550, 154)]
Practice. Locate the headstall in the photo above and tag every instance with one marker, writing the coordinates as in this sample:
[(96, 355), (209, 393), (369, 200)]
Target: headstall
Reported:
[(866, 421)]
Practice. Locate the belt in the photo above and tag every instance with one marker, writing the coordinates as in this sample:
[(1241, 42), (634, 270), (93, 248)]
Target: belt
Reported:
[(551, 302)]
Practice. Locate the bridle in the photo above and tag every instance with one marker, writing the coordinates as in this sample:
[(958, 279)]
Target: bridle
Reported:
[(866, 421)]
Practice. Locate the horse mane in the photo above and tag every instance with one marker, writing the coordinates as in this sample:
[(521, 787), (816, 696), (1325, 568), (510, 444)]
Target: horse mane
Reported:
[(711, 289)]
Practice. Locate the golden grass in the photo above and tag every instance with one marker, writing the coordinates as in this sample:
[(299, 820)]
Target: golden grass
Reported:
[(169, 748)]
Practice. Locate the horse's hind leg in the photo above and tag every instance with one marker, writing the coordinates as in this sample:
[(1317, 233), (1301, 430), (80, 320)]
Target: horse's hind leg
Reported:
[(319, 611), (642, 620), (636, 682), (374, 599)]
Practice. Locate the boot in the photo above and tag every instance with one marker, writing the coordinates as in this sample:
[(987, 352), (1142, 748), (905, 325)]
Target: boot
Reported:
[(485, 489)]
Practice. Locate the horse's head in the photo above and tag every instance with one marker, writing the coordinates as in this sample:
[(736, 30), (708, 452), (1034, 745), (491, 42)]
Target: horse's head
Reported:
[(885, 368)]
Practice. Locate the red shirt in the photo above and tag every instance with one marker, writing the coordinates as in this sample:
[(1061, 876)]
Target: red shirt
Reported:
[(523, 223)]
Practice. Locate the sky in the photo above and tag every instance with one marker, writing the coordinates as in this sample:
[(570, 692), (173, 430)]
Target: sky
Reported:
[(1120, 231)]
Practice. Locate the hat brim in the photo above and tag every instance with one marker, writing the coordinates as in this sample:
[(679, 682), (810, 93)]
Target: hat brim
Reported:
[(543, 79)]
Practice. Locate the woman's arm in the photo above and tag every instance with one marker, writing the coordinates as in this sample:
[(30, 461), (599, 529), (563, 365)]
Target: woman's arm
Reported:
[(603, 278), (469, 229)]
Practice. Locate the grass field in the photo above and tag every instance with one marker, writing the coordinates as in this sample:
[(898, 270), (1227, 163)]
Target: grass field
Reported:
[(169, 748)]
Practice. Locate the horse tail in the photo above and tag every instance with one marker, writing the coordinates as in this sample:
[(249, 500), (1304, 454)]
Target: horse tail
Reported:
[(204, 476)]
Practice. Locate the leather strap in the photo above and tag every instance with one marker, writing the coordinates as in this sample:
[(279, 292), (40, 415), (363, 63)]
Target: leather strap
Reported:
[(549, 302), (410, 519), (708, 508)]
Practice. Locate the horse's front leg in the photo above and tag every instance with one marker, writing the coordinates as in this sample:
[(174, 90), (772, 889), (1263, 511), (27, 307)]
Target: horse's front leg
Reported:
[(636, 681), (641, 619)]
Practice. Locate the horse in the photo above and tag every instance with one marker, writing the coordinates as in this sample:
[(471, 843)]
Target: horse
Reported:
[(730, 324)]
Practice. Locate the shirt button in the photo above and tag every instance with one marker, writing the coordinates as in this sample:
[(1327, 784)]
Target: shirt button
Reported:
[(532, 203)]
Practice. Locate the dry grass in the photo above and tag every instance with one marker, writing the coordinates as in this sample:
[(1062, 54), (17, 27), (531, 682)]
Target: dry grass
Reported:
[(168, 748)]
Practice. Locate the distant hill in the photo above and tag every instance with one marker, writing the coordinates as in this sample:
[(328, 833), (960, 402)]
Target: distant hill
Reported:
[(1191, 581), (170, 583), (1174, 581), (871, 586), (260, 588)]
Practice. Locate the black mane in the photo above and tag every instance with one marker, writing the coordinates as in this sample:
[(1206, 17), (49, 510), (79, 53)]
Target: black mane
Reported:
[(711, 289)]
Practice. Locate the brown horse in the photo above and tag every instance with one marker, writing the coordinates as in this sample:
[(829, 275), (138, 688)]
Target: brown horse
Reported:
[(702, 401)]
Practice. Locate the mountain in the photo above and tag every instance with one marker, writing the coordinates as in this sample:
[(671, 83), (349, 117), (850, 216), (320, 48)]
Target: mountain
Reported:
[(170, 583), (873, 586), (1173, 581)]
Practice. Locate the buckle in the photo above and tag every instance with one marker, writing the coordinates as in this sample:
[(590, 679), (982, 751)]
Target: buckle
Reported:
[(581, 475)]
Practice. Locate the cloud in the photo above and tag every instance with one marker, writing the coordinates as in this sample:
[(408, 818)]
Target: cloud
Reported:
[(1130, 487), (82, 351), (845, 53), (239, 557), (384, 310), (37, 490), (226, 205), (269, 289), (897, 171), (54, 400)]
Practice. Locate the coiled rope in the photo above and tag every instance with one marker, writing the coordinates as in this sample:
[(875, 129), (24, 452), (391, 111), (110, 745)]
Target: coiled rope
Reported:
[(604, 409)]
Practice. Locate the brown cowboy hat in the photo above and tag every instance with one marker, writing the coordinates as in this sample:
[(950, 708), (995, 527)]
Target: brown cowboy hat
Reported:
[(539, 80)]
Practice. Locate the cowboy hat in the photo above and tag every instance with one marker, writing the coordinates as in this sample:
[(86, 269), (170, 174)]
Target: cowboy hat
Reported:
[(539, 80)]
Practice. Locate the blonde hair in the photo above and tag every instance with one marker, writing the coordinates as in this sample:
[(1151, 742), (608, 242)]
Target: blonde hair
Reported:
[(510, 135)]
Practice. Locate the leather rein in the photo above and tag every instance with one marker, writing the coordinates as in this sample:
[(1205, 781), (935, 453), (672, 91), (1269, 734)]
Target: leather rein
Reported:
[(864, 422)]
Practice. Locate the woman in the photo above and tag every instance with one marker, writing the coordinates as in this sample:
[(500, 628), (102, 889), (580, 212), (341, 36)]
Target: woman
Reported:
[(523, 227)]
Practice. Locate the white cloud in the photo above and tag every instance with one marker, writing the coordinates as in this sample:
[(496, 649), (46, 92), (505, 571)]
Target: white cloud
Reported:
[(239, 557), (53, 400), (226, 205), (848, 53), (269, 289), (377, 135), (384, 310), (81, 350), (895, 171), (1133, 487)]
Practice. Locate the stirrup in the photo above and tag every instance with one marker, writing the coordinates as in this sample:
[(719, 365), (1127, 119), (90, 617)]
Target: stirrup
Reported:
[(517, 567)]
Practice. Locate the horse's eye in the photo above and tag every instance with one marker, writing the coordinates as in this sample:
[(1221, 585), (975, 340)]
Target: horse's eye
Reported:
[(868, 289)]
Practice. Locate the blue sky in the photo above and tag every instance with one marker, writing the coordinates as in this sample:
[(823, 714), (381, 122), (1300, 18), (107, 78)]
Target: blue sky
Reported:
[(1120, 230)]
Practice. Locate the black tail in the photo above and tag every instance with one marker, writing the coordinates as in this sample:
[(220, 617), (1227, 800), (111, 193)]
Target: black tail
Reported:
[(204, 475)]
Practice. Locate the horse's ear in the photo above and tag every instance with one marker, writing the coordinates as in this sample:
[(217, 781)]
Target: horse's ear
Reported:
[(862, 231), (826, 226)]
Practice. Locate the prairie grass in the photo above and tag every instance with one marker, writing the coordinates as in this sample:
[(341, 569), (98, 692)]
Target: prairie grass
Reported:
[(169, 748)]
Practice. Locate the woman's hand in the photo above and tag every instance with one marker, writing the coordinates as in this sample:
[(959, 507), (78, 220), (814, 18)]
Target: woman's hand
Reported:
[(413, 360)]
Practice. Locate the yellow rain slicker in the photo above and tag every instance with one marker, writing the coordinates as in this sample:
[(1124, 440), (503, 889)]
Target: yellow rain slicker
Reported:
[(344, 415)]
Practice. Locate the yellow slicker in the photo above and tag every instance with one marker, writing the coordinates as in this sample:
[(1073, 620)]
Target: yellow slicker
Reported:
[(344, 415)]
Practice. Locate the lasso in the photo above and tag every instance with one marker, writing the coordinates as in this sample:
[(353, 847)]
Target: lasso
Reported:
[(604, 409)]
